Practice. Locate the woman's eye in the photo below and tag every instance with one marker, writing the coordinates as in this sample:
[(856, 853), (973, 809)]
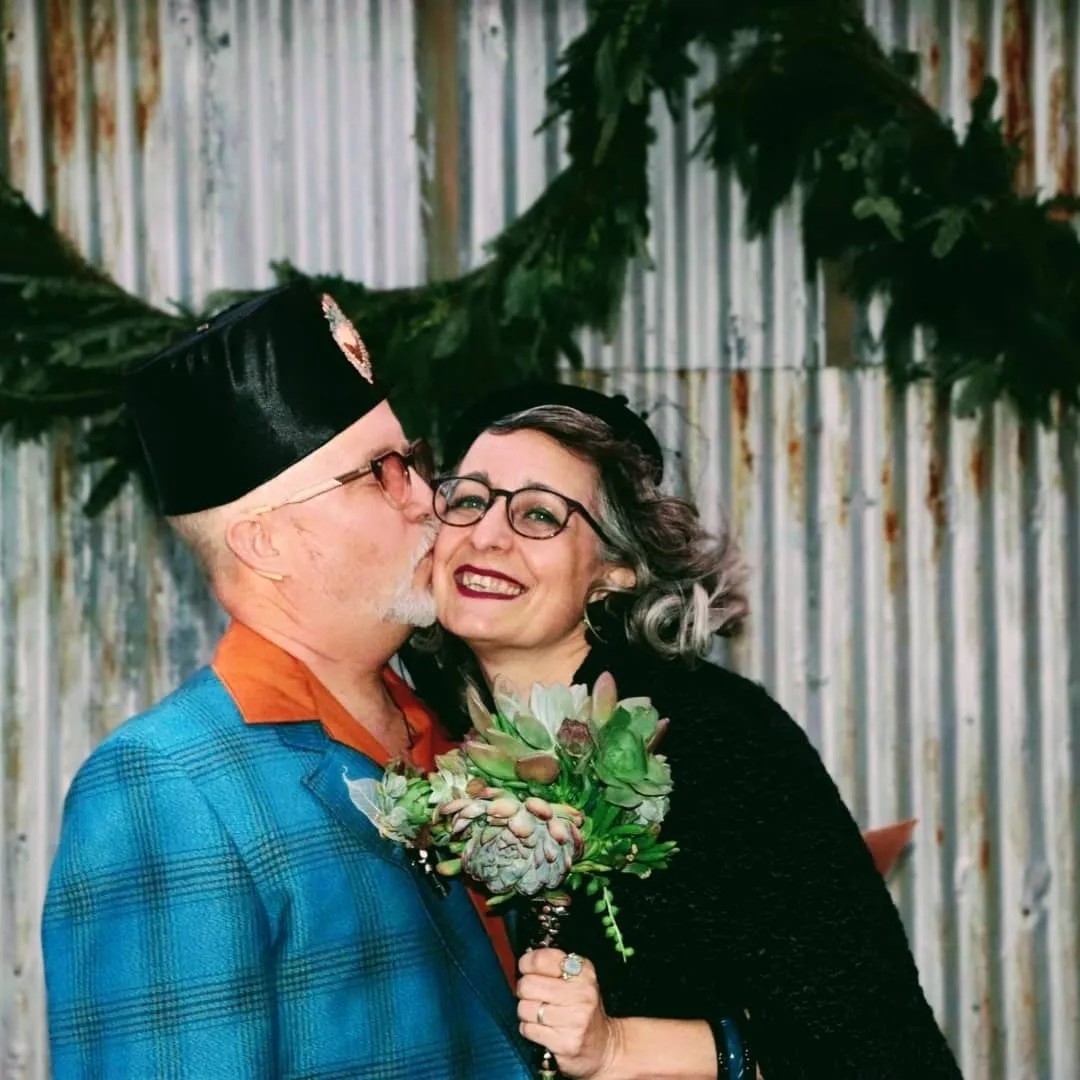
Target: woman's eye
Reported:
[(542, 514), (466, 502)]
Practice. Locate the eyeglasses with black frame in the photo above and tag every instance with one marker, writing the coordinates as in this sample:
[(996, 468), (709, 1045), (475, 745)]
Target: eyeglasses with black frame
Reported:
[(535, 512), (391, 471)]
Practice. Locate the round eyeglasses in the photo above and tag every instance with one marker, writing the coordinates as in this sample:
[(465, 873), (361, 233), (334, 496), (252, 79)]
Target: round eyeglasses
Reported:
[(537, 513), (390, 470)]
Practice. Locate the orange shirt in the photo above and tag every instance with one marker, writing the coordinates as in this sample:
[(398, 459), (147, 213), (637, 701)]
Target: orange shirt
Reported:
[(271, 687)]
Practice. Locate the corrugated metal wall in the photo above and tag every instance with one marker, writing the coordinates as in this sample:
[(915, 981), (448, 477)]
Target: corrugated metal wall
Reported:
[(917, 586)]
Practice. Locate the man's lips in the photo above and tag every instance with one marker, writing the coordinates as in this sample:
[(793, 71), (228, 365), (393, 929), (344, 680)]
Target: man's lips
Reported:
[(485, 584)]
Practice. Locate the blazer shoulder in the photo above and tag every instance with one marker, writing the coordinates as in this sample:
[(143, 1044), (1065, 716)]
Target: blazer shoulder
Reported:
[(193, 727)]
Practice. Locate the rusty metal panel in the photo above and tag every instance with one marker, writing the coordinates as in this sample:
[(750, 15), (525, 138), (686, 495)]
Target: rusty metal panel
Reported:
[(916, 588)]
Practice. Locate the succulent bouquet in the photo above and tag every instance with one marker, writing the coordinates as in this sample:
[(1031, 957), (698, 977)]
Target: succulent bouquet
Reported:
[(543, 797)]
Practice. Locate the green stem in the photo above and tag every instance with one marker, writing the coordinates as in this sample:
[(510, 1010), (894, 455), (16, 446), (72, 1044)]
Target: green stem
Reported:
[(620, 945)]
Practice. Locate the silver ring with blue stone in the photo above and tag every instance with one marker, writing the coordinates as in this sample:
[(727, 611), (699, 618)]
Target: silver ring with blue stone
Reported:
[(572, 965)]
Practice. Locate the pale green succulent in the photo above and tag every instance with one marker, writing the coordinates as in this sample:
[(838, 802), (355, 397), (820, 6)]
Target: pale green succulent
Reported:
[(450, 778), (512, 845), (398, 806), (512, 745), (651, 810)]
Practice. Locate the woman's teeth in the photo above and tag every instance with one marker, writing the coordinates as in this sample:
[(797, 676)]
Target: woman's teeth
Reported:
[(483, 583)]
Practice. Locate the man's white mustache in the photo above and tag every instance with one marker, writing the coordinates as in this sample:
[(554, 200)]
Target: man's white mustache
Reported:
[(427, 542)]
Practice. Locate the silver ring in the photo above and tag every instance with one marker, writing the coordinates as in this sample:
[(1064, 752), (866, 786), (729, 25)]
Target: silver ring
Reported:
[(571, 966), (540, 1012)]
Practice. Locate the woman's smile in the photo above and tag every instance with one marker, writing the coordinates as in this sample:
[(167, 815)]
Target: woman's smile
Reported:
[(485, 584)]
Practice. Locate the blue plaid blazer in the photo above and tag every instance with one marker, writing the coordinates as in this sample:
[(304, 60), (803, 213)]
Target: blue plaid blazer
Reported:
[(218, 908)]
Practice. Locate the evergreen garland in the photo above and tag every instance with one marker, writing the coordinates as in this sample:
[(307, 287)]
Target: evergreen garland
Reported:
[(806, 97)]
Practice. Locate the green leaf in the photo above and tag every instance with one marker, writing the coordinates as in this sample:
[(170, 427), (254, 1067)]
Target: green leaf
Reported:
[(883, 208), (949, 232)]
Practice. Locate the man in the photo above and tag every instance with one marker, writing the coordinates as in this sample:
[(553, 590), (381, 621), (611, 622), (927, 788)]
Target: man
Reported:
[(218, 907)]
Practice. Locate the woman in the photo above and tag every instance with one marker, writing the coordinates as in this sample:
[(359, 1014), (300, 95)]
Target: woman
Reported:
[(560, 559)]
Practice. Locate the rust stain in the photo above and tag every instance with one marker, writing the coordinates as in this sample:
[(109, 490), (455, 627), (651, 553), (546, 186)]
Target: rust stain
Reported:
[(891, 527), (939, 836), (103, 58), (935, 59), (795, 459), (935, 502), (61, 71), (892, 534), (930, 79), (148, 93), (108, 659), (978, 469), (984, 855), (976, 65), (1062, 134), (1016, 68), (740, 390)]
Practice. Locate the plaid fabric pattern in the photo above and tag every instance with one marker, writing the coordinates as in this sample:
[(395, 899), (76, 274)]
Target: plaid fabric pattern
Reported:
[(218, 908)]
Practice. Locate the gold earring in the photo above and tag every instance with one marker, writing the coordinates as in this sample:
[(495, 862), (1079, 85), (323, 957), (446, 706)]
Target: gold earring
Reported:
[(589, 626), (270, 575)]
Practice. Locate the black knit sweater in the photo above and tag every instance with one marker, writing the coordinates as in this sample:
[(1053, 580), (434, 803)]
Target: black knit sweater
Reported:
[(772, 905)]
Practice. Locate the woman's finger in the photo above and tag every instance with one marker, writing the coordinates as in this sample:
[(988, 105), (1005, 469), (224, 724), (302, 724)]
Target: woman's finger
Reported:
[(556, 964), (546, 988)]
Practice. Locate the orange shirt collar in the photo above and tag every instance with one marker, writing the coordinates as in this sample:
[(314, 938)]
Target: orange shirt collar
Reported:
[(270, 686)]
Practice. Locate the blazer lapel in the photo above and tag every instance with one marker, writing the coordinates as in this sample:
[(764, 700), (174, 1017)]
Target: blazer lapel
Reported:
[(326, 781), (452, 917)]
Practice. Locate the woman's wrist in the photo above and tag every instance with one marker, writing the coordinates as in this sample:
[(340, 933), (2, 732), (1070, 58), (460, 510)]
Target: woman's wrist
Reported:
[(644, 1048)]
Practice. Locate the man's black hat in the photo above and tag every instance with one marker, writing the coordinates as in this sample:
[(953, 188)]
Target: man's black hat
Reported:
[(248, 394)]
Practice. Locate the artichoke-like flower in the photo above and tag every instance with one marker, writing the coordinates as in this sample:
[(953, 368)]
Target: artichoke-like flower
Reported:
[(512, 845)]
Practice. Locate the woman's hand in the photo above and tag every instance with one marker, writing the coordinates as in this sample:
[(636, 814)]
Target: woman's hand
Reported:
[(565, 1014)]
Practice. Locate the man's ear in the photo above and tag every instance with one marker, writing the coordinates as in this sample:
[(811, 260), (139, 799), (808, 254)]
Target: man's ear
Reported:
[(252, 541)]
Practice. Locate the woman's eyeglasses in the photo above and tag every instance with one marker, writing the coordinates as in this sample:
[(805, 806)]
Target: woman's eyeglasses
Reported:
[(391, 471), (536, 513)]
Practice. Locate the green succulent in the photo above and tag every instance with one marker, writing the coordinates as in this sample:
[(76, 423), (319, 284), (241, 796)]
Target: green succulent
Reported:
[(624, 762)]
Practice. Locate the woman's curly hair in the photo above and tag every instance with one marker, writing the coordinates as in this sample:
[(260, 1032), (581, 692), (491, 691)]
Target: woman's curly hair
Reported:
[(689, 584)]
